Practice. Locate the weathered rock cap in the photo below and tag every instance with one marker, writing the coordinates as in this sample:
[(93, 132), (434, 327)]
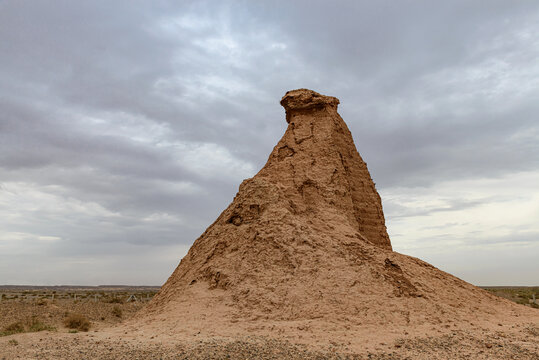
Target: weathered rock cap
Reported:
[(304, 99)]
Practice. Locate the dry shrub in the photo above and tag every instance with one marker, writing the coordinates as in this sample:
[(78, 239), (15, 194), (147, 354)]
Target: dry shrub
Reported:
[(29, 325), (13, 328), (115, 300), (77, 321), (42, 302), (36, 325), (117, 311)]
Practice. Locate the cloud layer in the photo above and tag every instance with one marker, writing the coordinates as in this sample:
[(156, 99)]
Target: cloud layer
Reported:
[(126, 127)]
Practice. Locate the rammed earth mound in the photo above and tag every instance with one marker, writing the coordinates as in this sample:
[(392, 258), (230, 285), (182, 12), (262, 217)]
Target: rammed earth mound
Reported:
[(302, 253)]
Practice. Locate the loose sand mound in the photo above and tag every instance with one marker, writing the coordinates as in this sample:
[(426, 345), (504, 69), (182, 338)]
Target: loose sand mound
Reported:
[(302, 253)]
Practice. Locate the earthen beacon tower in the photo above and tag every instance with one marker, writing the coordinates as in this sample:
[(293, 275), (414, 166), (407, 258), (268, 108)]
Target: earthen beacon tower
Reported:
[(303, 251)]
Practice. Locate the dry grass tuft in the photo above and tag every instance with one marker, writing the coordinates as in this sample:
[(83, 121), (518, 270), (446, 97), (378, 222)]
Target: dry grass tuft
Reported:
[(36, 325), (30, 325), (13, 328), (117, 311), (77, 321)]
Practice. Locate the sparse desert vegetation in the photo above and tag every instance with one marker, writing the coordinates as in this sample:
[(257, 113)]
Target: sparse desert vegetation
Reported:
[(35, 310), (67, 309), (525, 295), (44, 309), (29, 324)]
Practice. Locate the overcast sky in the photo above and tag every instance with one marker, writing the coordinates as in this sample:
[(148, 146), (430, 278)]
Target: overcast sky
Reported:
[(126, 127)]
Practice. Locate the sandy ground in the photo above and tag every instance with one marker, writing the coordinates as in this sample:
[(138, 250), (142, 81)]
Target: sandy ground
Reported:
[(498, 342), (509, 337)]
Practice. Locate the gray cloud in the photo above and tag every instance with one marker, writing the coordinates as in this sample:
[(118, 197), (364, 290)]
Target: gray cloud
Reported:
[(130, 125)]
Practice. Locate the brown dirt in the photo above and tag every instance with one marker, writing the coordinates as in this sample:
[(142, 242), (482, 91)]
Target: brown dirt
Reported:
[(53, 313), (300, 266)]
